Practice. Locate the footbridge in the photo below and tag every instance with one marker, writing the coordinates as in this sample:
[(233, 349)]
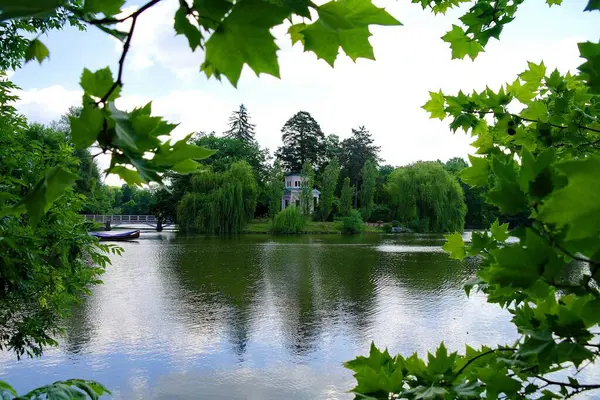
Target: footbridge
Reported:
[(128, 220)]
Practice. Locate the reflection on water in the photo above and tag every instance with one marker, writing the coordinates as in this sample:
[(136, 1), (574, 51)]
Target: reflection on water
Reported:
[(259, 317)]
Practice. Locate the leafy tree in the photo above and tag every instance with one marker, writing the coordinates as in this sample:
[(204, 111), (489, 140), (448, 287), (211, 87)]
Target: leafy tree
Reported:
[(220, 203), (329, 182), (356, 151), (368, 174), (240, 127), (542, 161), (455, 165), (347, 194), (44, 255), (426, 198), (275, 188), (307, 180), (333, 148), (303, 141)]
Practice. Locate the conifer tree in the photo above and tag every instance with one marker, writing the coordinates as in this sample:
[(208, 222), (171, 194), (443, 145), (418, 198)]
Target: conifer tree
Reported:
[(240, 127)]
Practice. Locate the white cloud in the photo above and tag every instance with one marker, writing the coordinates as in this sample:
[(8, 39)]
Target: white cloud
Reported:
[(154, 43), (47, 104)]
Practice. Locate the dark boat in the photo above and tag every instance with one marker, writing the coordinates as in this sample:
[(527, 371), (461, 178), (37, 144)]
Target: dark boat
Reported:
[(129, 235)]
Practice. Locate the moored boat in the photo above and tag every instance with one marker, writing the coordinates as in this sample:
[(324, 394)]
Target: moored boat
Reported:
[(129, 235)]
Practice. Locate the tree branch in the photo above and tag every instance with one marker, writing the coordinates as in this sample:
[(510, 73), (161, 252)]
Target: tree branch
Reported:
[(119, 81), (112, 21), (568, 384), (477, 357), (533, 120)]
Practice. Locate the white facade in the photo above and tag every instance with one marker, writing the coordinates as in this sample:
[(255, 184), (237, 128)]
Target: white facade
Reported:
[(291, 194)]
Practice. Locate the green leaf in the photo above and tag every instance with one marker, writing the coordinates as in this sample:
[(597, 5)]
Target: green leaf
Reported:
[(180, 151), (184, 27), (244, 37), (577, 205), (432, 392), (120, 35), (6, 387), (523, 93), (499, 232), (12, 9), (461, 44), (478, 173), (592, 5), (497, 382), (355, 43), (436, 105), (345, 24), (321, 40), (126, 135), (98, 83), (442, 362), (455, 245), (554, 2), (108, 7), (536, 110), (128, 175), (86, 127), (186, 166), (37, 50), (591, 68), (534, 75), (467, 389), (299, 7), (507, 193), (39, 199)]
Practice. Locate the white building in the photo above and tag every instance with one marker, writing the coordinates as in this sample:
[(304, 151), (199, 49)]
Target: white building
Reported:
[(291, 194)]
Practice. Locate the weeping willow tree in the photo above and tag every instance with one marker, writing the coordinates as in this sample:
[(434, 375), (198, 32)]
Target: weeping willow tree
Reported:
[(219, 203), (426, 198)]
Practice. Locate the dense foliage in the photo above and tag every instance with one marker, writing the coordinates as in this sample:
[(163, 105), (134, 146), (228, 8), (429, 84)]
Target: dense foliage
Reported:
[(346, 196), (69, 389), (303, 141), (368, 174), (288, 221), (307, 182), (353, 223), (46, 267), (329, 182), (542, 160), (221, 203), (275, 189), (426, 198)]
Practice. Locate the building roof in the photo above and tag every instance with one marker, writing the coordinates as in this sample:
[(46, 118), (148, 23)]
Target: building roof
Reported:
[(293, 174)]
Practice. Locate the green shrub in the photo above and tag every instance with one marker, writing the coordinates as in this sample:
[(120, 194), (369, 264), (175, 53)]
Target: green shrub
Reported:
[(395, 223), (353, 224), (289, 220), (387, 228)]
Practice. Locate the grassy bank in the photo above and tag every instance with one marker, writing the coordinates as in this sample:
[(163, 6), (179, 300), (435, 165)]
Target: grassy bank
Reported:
[(264, 226)]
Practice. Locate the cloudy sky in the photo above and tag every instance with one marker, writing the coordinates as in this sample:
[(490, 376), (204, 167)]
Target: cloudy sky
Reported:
[(384, 95)]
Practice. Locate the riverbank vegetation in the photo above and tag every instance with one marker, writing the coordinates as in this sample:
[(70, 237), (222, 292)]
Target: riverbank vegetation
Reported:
[(535, 168)]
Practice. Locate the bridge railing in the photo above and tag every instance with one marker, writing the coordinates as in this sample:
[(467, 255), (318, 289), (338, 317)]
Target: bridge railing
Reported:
[(122, 218)]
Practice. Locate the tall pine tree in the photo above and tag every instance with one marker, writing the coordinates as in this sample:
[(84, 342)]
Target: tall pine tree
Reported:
[(303, 141), (240, 127)]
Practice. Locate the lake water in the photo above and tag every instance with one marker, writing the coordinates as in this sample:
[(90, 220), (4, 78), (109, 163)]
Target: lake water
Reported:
[(261, 317)]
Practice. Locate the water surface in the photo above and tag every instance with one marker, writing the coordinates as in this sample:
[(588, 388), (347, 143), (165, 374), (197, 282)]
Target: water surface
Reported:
[(261, 317)]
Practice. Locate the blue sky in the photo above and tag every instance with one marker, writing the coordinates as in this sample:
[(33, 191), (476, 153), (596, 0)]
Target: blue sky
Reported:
[(384, 95)]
